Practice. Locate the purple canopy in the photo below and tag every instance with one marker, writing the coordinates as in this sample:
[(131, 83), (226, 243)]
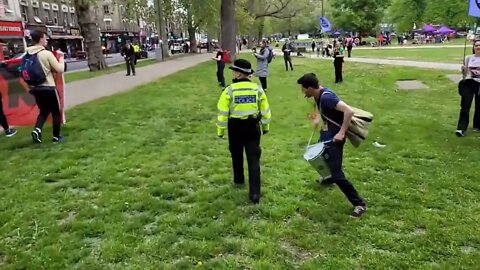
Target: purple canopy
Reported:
[(444, 30), (428, 28), (337, 33)]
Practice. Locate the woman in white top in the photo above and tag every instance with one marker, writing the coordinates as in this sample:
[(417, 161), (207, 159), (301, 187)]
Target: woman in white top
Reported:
[(469, 89)]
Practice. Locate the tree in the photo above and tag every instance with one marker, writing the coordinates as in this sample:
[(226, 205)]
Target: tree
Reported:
[(162, 33), (229, 27), (199, 13), (404, 21), (363, 16), (91, 34)]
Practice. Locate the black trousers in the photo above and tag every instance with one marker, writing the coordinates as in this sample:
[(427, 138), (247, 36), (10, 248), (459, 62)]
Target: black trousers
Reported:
[(220, 77), (245, 134), (288, 60), (349, 50), (3, 118), (469, 92), (263, 81), (338, 64), (334, 158), (48, 102), (130, 62)]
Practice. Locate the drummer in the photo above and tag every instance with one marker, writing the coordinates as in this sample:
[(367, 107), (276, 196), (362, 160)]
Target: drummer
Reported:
[(333, 136)]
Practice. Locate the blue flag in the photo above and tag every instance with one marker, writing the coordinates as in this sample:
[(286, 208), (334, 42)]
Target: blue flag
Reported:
[(474, 8), (325, 24)]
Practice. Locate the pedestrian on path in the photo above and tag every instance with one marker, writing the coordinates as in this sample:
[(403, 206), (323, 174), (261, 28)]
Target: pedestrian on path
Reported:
[(338, 62), (331, 107), (349, 46), (9, 132), (129, 53), (242, 107), (313, 46), (262, 64), (287, 57), (469, 90), (219, 58), (45, 93)]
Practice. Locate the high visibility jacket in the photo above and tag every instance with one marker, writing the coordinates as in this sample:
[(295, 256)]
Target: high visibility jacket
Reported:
[(243, 100), (136, 48)]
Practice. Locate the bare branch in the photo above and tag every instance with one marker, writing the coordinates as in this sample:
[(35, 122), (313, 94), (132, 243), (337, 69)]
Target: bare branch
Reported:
[(279, 7)]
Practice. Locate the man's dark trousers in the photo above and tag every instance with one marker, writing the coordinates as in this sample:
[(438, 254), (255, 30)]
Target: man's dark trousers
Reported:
[(469, 92), (334, 158), (245, 134), (3, 118), (130, 61), (220, 77), (288, 60)]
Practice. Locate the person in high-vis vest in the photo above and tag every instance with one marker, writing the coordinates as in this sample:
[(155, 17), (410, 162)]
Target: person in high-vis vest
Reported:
[(136, 49), (243, 109)]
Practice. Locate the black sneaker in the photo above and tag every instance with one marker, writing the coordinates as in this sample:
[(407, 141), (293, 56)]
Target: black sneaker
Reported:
[(37, 135), (10, 132), (358, 211), (58, 139), (460, 133), (255, 198), (326, 182)]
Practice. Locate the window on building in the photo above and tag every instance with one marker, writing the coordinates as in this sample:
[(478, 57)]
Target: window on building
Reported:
[(36, 12), (24, 11), (108, 25), (65, 18), (55, 17), (106, 9), (73, 19)]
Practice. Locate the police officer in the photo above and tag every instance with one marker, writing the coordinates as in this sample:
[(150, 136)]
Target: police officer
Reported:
[(242, 107)]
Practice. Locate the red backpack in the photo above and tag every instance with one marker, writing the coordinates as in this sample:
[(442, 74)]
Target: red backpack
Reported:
[(226, 56)]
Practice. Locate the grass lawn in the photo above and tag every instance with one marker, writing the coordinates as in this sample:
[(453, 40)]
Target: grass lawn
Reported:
[(446, 55), (143, 183)]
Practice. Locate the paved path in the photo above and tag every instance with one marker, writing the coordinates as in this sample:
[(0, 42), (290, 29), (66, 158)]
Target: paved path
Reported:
[(79, 92), (409, 47), (405, 63)]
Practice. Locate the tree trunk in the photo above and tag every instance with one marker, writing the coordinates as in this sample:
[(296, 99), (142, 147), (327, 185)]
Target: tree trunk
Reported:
[(209, 41), (191, 33), (229, 27), (162, 32), (91, 34), (261, 26), (251, 34)]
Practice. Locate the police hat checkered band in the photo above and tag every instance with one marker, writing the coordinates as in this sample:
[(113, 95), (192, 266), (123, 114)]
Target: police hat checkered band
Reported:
[(242, 69)]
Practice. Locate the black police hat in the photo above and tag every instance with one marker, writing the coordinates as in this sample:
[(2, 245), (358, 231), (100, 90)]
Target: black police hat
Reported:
[(243, 66)]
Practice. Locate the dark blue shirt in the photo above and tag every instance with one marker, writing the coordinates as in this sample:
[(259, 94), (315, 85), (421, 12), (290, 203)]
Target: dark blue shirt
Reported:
[(326, 105)]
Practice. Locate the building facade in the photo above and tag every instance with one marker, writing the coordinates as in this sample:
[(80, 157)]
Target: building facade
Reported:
[(12, 33), (57, 18), (115, 27)]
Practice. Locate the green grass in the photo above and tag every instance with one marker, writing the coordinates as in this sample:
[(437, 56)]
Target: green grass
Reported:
[(143, 183), (446, 55)]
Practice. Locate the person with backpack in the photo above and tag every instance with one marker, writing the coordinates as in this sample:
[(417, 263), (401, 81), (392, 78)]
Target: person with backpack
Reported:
[(221, 58), (38, 68), (333, 109), (9, 132), (263, 58)]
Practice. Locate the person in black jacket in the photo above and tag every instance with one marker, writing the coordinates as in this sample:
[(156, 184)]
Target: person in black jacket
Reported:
[(129, 53), (287, 50)]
